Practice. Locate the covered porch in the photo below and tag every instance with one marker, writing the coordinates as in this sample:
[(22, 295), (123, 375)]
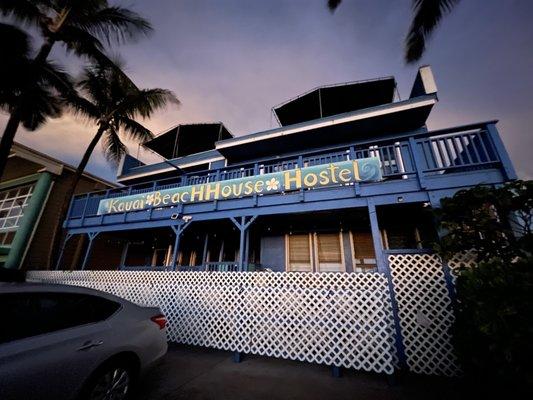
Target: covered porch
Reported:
[(342, 240)]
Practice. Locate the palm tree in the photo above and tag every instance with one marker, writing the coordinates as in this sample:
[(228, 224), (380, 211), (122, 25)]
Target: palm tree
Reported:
[(112, 102), (80, 26), (427, 16), (28, 90)]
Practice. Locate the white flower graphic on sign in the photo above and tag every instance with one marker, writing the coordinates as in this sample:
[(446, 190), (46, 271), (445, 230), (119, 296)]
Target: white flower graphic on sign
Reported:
[(149, 199), (272, 184)]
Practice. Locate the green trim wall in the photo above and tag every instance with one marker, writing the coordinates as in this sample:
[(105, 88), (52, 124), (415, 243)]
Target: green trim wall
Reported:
[(30, 218)]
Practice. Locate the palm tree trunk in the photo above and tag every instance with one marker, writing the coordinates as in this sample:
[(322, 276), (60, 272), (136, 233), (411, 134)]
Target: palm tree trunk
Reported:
[(56, 237), (14, 120), (7, 140)]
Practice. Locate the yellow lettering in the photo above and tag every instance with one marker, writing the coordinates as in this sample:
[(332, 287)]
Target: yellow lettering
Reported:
[(248, 188), (259, 186), (356, 171), (215, 191), (226, 191), (344, 175), (165, 199), (197, 190), (289, 179), (332, 169), (175, 198), (237, 189), (182, 197), (310, 179), (324, 179)]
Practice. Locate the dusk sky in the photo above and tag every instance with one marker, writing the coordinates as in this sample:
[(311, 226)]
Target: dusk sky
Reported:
[(231, 61)]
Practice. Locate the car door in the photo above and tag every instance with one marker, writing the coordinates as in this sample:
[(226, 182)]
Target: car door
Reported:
[(52, 343)]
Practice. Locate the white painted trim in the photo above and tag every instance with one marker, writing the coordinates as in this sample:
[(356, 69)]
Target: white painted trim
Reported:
[(354, 117)]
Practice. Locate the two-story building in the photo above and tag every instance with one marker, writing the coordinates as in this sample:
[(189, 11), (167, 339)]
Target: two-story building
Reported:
[(347, 178)]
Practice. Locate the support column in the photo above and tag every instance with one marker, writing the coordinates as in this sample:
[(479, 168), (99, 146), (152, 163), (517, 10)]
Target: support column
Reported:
[(384, 268), (243, 226), (92, 236), (124, 254), (29, 221), (204, 254), (62, 251), (507, 164), (178, 230)]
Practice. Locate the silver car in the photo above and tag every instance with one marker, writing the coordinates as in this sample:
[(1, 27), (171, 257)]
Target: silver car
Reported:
[(67, 342)]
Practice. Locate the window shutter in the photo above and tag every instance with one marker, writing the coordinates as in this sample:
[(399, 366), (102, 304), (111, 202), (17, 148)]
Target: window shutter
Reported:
[(329, 252), (299, 253), (363, 245), (329, 248)]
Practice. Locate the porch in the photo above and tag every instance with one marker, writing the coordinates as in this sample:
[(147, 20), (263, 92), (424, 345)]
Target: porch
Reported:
[(345, 240)]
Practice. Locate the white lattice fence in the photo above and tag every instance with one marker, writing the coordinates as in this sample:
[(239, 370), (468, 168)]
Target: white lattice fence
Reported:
[(336, 319), (425, 312)]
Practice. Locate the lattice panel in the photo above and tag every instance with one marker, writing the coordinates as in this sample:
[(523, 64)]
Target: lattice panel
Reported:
[(425, 313), (336, 319)]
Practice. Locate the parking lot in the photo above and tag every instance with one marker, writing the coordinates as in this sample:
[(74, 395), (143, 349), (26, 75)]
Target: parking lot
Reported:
[(199, 373)]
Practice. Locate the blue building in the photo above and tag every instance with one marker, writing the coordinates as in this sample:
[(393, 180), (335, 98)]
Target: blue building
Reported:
[(346, 179)]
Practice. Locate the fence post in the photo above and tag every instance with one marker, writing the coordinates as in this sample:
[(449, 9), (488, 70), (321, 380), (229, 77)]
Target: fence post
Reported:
[(384, 268)]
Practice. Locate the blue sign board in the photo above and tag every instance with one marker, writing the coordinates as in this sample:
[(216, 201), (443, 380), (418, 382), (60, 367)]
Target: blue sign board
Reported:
[(317, 176)]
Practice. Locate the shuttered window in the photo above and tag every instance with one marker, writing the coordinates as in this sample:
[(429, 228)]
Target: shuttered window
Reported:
[(299, 252), (329, 252), (363, 251)]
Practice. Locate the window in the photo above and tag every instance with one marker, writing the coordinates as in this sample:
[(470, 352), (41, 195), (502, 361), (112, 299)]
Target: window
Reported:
[(299, 252), (315, 252), (401, 237), (32, 314), (364, 256), (329, 252), (12, 204)]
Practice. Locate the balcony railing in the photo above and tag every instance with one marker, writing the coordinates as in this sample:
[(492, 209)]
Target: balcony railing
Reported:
[(427, 154)]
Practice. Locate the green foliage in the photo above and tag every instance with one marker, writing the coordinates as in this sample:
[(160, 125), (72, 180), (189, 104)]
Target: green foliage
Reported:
[(112, 101), (494, 312)]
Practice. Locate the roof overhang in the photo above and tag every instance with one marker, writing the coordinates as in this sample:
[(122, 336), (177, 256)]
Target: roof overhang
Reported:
[(326, 101), (172, 166), (385, 119)]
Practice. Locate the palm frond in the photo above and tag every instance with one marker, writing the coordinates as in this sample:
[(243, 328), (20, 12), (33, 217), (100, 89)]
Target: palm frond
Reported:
[(28, 11), (113, 147), (56, 77), (113, 24), (427, 16), (134, 130), (145, 102), (37, 105), (333, 4), (15, 42), (82, 108)]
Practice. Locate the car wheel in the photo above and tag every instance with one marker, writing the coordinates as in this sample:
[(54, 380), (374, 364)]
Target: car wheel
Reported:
[(111, 383)]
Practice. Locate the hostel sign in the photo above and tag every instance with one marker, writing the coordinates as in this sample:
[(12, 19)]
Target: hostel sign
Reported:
[(324, 175)]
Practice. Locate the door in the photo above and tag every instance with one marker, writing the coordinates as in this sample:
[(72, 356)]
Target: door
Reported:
[(51, 342)]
